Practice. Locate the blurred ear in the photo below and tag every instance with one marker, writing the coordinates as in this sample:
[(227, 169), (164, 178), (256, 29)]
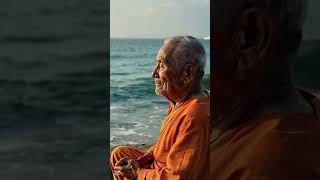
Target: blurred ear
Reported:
[(189, 73), (253, 37)]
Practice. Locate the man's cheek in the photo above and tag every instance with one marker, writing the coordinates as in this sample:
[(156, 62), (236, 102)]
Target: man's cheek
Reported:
[(164, 79)]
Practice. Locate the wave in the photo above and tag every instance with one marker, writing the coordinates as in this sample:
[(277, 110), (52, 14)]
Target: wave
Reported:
[(119, 74), (38, 39), (144, 88), (131, 56)]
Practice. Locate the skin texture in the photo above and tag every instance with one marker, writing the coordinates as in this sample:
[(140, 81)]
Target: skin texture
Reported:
[(176, 74), (164, 76), (177, 78), (127, 167)]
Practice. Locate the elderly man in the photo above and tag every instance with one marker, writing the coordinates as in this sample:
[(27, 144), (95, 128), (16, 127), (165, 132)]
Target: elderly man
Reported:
[(264, 127), (182, 149)]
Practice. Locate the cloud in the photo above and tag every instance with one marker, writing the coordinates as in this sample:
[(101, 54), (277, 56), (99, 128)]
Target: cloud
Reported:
[(167, 4)]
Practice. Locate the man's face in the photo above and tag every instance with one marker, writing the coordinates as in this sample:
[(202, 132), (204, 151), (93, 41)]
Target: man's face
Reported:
[(167, 76)]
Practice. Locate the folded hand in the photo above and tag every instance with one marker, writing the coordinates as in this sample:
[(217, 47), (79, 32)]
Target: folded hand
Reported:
[(127, 167)]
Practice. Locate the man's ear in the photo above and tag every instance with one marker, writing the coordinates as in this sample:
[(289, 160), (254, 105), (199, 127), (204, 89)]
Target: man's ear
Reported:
[(189, 73), (252, 37)]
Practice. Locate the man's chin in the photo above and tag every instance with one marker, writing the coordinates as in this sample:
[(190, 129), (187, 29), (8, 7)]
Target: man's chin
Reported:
[(158, 92)]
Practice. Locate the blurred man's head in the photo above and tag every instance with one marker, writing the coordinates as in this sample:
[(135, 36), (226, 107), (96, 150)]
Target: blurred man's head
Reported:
[(254, 41), (180, 65)]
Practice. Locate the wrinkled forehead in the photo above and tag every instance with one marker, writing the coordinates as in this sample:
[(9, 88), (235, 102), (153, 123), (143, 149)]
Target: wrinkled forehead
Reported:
[(161, 54), (165, 52)]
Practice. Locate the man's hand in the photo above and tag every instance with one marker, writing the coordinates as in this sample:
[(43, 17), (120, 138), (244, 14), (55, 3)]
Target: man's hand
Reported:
[(145, 160), (127, 167)]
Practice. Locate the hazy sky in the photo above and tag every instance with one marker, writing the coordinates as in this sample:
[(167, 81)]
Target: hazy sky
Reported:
[(159, 18), (164, 18)]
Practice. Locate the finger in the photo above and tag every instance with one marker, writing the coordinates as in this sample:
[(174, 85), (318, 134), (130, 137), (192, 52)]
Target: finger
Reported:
[(118, 168), (134, 164), (118, 173), (119, 162), (122, 161)]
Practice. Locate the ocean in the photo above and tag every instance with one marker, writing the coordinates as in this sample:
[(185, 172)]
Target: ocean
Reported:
[(54, 90), (136, 112), (54, 93)]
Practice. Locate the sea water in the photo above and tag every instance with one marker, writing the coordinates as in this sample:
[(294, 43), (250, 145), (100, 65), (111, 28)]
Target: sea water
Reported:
[(136, 112), (53, 95)]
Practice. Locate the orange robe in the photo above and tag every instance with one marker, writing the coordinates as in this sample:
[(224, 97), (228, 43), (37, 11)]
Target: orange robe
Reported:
[(277, 146), (182, 149)]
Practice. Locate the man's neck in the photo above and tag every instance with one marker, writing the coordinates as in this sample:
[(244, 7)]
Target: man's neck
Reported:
[(194, 91)]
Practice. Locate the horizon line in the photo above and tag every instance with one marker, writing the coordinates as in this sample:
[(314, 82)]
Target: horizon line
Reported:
[(151, 37)]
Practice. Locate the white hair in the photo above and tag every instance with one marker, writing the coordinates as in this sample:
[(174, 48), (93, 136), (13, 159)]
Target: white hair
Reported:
[(188, 49)]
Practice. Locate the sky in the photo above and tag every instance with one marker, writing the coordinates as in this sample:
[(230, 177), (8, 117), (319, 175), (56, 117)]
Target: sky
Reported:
[(165, 18), (159, 18)]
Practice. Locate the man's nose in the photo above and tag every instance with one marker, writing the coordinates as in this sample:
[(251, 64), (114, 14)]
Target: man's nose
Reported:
[(155, 72)]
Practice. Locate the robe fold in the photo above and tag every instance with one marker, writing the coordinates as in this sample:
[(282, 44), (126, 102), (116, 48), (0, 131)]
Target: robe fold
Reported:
[(182, 149)]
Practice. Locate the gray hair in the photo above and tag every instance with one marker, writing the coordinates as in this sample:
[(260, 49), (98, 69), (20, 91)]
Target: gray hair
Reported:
[(188, 49)]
